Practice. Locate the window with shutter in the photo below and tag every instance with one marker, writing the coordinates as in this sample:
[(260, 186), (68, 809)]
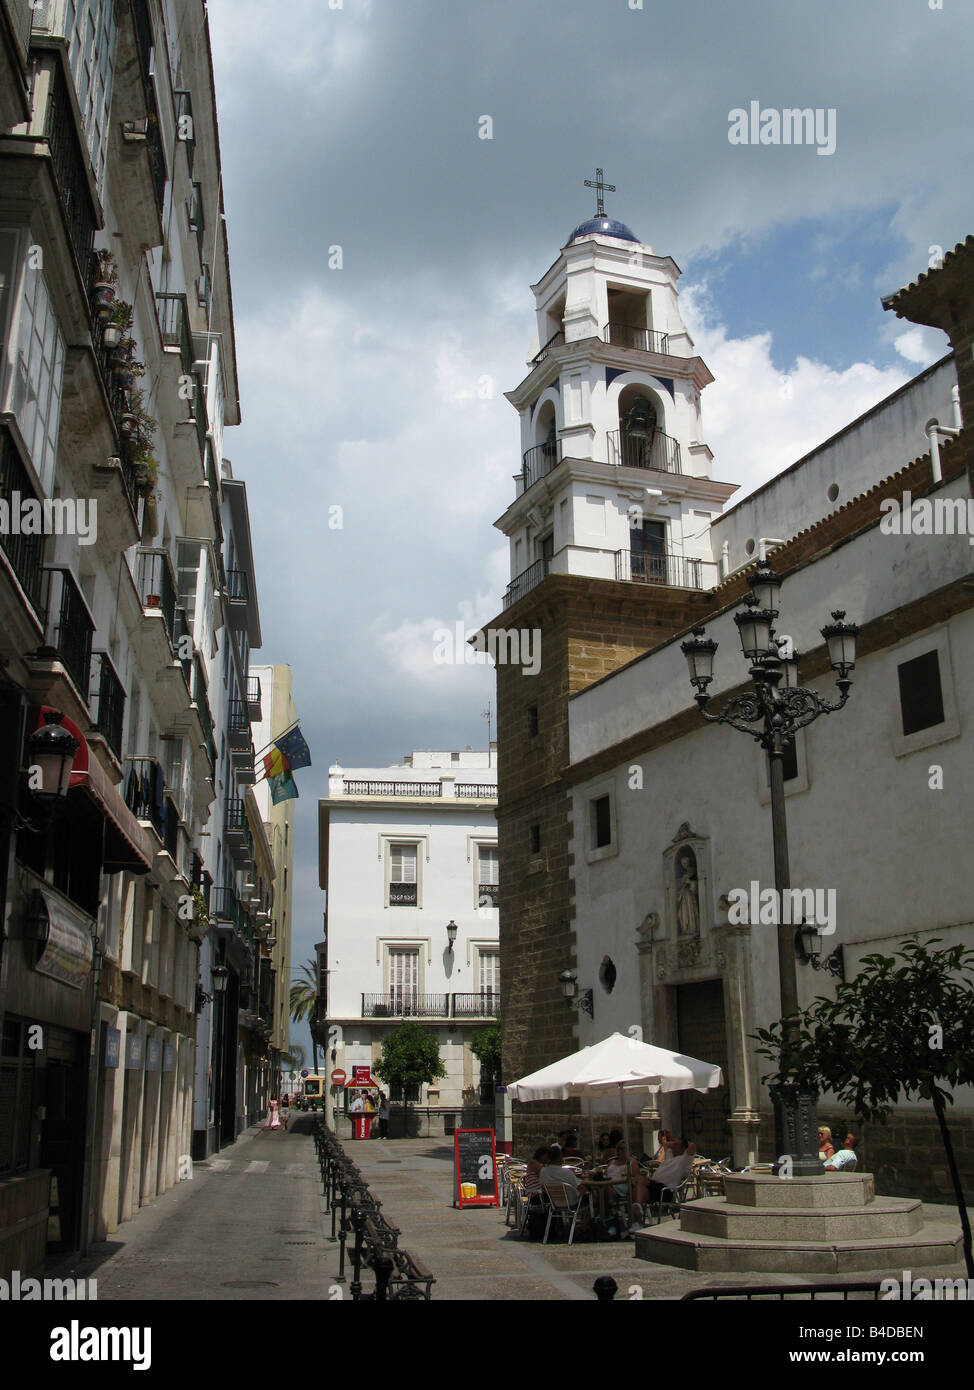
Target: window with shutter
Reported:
[(402, 876)]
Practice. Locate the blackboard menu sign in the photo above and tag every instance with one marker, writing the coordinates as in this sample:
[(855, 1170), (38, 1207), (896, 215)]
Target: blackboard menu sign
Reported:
[(476, 1168)]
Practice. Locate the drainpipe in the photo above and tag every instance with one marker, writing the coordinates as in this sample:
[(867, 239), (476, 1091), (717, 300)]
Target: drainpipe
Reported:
[(725, 560), (955, 402), (936, 432)]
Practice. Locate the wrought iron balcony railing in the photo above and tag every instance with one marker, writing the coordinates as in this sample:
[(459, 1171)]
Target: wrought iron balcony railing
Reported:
[(69, 158), (642, 339), (149, 129), (174, 326), (403, 895), (197, 223), (144, 794), (238, 587), (170, 829), (108, 703), (661, 451), (202, 702), (526, 581), (540, 461), (477, 791), (675, 571), (405, 1004), (556, 340), (25, 553), (156, 586), (488, 893), (70, 626), (485, 1004)]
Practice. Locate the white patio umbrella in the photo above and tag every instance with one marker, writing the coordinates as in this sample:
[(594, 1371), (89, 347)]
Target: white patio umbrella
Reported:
[(619, 1064)]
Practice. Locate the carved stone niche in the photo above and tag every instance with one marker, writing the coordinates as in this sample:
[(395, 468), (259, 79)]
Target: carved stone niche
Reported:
[(686, 874)]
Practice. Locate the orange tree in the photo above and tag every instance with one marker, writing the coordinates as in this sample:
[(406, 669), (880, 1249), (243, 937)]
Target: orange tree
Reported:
[(903, 1026)]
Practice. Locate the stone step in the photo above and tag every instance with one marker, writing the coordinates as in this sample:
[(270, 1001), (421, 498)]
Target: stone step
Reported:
[(936, 1243), (830, 1190), (896, 1217)]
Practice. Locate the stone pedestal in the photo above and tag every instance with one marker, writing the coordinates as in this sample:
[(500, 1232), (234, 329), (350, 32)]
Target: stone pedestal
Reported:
[(832, 1223)]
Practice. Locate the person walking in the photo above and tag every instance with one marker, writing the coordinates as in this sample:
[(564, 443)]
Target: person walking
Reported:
[(273, 1115), (383, 1115)]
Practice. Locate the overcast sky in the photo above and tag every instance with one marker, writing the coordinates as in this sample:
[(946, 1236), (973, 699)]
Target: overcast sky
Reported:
[(378, 387)]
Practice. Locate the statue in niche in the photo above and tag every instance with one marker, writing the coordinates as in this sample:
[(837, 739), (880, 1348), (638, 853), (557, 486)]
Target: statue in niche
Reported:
[(687, 894)]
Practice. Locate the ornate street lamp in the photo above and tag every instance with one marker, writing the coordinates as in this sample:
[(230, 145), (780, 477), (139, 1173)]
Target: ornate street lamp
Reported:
[(772, 714), (584, 1002), (51, 749), (451, 935)]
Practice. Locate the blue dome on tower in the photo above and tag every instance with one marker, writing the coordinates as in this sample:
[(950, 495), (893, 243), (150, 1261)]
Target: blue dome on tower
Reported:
[(604, 226)]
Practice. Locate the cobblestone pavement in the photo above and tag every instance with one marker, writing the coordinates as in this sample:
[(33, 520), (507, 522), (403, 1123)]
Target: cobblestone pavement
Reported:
[(251, 1225)]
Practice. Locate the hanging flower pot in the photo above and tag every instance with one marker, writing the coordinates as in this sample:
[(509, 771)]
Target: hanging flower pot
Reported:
[(128, 424), (103, 297), (111, 336), (125, 376)]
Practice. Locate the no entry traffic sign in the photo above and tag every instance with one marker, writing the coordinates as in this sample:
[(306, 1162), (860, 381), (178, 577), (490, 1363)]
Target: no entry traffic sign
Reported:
[(338, 1077)]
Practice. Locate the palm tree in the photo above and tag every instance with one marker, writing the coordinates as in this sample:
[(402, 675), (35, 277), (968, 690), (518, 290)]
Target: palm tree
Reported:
[(304, 1004)]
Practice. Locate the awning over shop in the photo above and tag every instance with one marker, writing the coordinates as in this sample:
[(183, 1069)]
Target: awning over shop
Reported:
[(127, 846)]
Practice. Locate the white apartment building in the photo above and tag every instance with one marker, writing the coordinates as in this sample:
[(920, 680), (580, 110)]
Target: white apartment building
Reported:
[(406, 852)]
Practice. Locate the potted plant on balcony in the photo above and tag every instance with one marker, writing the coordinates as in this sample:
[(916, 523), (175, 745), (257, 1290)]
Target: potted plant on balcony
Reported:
[(119, 326), (126, 366), (103, 289)]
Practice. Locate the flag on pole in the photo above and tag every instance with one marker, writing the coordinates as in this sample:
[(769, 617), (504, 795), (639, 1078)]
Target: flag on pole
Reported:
[(294, 748), (275, 763), (283, 787)]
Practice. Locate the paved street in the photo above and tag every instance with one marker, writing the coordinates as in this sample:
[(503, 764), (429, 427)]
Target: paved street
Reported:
[(251, 1225)]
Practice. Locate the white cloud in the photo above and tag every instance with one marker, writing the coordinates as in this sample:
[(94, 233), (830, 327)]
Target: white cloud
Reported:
[(915, 345), (757, 418)]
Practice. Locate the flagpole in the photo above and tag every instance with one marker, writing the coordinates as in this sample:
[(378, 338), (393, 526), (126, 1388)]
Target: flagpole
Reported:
[(276, 737)]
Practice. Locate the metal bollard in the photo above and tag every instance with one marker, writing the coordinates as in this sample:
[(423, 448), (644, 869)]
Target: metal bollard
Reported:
[(605, 1288), (358, 1222), (342, 1236)]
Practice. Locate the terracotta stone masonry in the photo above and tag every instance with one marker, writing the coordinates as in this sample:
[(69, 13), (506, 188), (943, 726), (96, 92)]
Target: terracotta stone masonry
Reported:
[(944, 298)]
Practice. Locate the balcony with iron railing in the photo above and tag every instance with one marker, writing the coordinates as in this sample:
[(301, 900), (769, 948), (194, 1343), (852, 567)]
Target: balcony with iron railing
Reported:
[(24, 553), (157, 586), (485, 1004), (660, 451), (526, 581), (197, 222), (477, 791), (70, 626), (144, 794), (640, 339), (405, 1004), (170, 829), (540, 461), (202, 703), (146, 131), (69, 156), (673, 571), (173, 315), (238, 587), (107, 702), (182, 641), (254, 704), (226, 909), (556, 340), (238, 723), (488, 893)]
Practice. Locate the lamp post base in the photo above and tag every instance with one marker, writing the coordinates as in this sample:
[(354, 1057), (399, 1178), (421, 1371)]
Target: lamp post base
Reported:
[(795, 1132)]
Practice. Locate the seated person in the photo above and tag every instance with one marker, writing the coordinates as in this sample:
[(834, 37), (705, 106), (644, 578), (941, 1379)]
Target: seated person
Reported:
[(666, 1141), (616, 1173), (674, 1170), (532, 1175), (846, 1157), (825, 1146), (553, 1172), (604, 1148), (571, 1149)]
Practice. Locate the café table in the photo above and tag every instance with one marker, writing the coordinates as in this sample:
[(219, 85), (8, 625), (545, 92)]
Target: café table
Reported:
[(599, 1189)]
